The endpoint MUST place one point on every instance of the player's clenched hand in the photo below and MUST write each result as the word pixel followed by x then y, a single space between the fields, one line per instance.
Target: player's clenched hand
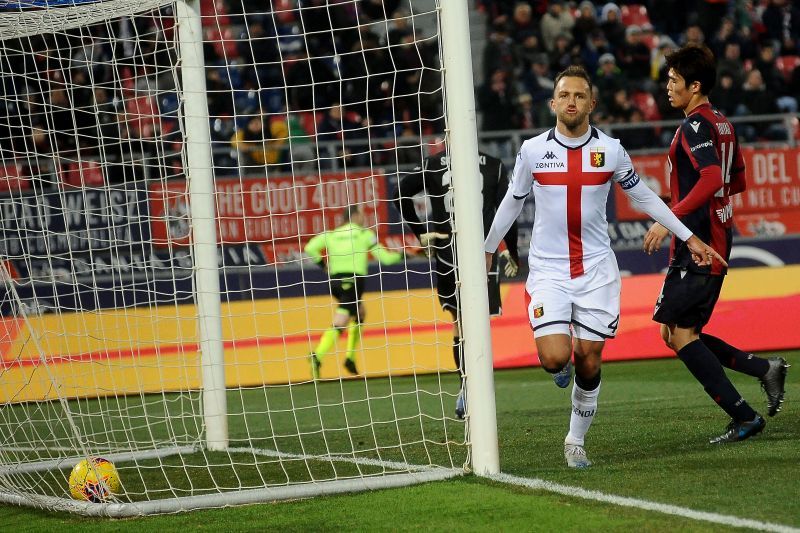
pixel 511 266
pixel 427 240
pixel 703 254
pixel 655 235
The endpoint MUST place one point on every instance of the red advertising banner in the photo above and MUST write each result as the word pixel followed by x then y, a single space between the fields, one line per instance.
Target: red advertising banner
pixel 281 213
pixel 769 207
pixel 13 178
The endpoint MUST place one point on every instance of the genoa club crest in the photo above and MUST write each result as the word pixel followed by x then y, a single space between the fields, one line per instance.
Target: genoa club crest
pixel 597 157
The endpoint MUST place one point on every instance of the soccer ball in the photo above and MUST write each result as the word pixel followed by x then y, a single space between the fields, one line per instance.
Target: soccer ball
pixel 94 482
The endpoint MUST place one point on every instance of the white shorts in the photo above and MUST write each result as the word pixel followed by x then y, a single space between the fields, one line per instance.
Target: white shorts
pixel 589 304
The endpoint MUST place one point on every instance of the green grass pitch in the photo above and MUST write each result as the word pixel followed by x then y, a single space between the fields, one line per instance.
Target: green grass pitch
pixel 648 441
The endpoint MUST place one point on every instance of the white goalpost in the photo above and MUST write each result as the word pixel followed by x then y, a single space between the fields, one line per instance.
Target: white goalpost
pixel 163 164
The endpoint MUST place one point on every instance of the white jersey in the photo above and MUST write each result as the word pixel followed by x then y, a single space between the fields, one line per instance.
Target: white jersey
pixel 570 179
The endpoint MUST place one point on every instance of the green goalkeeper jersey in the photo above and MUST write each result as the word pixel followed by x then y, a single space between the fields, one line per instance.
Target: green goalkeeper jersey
pixel 348 248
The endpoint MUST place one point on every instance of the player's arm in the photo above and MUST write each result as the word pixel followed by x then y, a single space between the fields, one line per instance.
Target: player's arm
pixel 512 234
pixel 647 201
pixel 511 254
pixel 700 146
pixel 379 252
pixel 314 247
pixel 511 205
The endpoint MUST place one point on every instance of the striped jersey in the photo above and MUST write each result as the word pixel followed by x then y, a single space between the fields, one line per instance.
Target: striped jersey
pixel 706 168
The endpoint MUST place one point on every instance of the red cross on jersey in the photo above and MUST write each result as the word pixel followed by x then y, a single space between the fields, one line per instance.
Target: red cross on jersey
pixel 570 179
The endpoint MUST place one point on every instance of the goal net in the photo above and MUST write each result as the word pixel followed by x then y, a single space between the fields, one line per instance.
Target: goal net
pixel 163 166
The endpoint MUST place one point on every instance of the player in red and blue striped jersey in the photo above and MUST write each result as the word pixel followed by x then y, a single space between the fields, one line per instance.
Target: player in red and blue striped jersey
pixel 706 169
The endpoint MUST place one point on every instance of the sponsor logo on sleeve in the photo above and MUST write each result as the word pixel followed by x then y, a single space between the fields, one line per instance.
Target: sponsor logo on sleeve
pixel 705 144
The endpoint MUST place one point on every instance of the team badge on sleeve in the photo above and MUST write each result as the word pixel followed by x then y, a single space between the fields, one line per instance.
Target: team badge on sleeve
pixel 538 311
pixel 597 157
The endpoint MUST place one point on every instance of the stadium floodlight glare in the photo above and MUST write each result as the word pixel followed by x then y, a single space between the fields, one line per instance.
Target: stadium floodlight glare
pixel 162 164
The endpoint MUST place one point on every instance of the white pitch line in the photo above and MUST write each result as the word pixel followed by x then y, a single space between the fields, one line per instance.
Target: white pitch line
pixel 578 492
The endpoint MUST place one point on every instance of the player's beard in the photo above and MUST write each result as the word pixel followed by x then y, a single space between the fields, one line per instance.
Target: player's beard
pixel 572 122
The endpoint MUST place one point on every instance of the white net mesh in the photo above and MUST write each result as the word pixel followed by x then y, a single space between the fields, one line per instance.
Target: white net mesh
pixel 313 107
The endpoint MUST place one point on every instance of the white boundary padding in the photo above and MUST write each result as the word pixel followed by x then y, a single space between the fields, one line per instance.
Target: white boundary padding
pixel 462 143
pixel 200 176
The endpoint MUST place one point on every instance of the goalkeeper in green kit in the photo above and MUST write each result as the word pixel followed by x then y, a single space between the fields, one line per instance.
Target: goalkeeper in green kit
pixel 347 254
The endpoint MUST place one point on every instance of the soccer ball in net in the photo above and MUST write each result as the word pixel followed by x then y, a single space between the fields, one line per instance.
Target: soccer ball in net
pixel 94 482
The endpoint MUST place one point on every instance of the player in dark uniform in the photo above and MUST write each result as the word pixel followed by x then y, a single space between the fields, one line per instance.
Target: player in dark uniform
pixel 435 234
pixel 706 169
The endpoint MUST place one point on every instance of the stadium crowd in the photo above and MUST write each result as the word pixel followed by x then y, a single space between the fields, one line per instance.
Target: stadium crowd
pixel 623 45
pixel 336 79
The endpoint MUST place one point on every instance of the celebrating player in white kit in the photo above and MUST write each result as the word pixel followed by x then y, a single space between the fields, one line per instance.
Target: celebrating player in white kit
pixel 573 288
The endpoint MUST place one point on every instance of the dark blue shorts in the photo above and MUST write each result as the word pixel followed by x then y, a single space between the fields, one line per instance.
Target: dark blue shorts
pixel 687 298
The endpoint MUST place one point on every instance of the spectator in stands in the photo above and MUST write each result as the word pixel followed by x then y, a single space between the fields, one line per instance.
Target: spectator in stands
pixel 756 100
pixel 256 146
pixel 40 136
pixel 408 151
pixel 249 142
pixel 619 108
pixel 609 77
pixel 558 20
pixel 585 23
pixel 611 24
pixel 727 94
pixel 500 52
pixel 634 57
pixel 693 35
pixel 340 136
pixel 259 50
pixel 528 48
pixel 537 82
pixel 218 94
pixel 564 54
pixel 497 98
pixel 301 152
pixel 781 20
pixel 61 120
pixel 639 138
pixel 731 62
pixel 725 34
pixel 525 118
pixel 710 13
pixel 765 63
pixel 596 46
pixel 522 22
pixel 600 114
pixel 658 62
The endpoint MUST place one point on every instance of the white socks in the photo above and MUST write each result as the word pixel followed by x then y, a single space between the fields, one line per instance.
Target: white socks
pixel 584 405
